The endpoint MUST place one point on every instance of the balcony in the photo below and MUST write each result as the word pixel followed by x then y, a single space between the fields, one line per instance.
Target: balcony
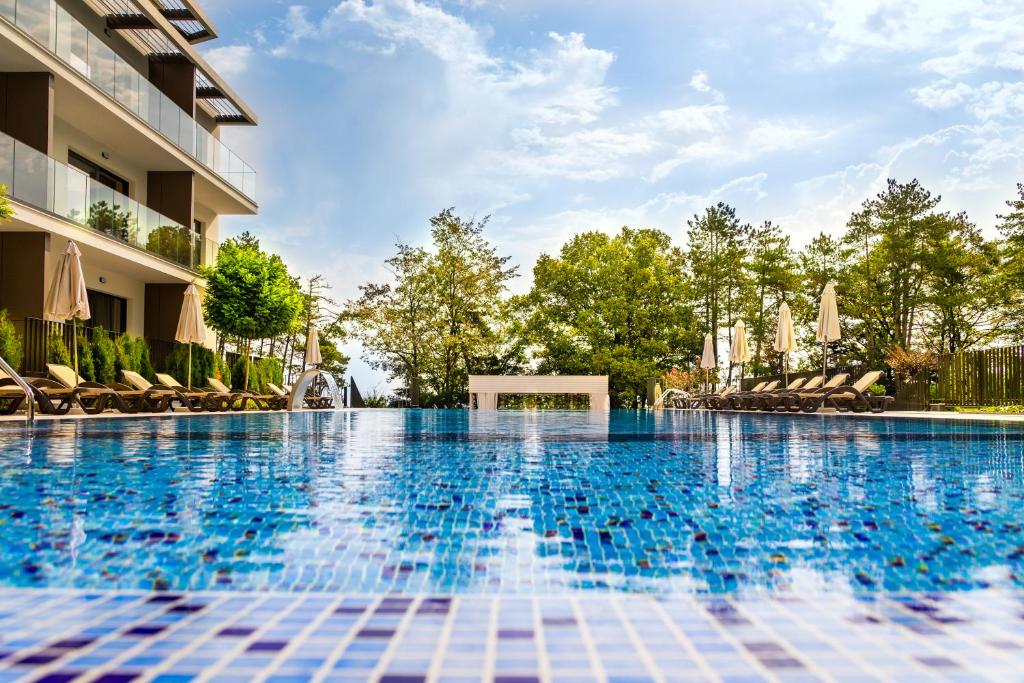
pixel 50 25
pixel 37 180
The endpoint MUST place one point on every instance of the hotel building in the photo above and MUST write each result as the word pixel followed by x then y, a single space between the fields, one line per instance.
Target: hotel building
pixel 110 127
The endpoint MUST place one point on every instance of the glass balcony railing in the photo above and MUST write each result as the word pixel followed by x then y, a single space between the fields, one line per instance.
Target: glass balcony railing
pixel 50 25
pixel 33 178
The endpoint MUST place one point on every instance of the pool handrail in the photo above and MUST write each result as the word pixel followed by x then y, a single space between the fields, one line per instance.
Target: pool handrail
pixel 30 400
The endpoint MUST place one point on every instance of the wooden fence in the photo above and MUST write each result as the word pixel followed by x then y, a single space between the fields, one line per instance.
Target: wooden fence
pixel 991 377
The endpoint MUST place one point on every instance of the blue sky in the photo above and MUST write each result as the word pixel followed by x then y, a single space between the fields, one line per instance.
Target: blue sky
pixel 562 116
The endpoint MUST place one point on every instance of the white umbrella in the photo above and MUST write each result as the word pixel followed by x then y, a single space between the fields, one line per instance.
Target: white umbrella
pixel 190 324
pixel 68 298
pixel 828 323
pixel 740 353
pixel 707 361
pixel 785 338
pixel 312 356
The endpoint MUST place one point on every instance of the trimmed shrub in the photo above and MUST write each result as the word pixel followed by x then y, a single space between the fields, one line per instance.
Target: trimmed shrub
pixel 56 351
pixel 261 372
pixel 86 368
pixel 104 357
pixel 203 364
pixel 145 363
pixel 10 343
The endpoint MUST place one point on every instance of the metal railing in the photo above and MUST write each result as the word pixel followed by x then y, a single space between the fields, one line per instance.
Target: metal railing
pixel 30 402
pixel 50 25
pixel 33 178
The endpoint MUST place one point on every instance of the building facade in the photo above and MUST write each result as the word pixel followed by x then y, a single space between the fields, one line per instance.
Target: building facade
pixel 109 135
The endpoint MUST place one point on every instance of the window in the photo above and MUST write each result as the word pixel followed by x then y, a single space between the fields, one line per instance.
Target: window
pixel 98 173
pixel 108 311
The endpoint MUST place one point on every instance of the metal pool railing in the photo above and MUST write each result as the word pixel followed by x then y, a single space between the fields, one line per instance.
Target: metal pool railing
pixel 30 403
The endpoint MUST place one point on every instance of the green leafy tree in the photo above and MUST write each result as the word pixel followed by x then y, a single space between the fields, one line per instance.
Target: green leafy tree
pixel 825 259
pixel 716 249
pixel 10 343
pixel 469 279
pixel 1011 277
pixel 249 295
pixel 965 301
pixel 773 278
pixel 6 210
pixel 886 290
pixel 397 323
pixel 613 305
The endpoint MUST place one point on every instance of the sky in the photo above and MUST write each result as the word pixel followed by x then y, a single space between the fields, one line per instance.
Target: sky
pixel 559 116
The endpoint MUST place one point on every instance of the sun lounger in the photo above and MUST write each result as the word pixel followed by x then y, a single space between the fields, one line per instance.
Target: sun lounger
pixel 714 400
pixel 195 399
pixel 793 400
pixel 738 399
pixel 777 400
pixel 853 397
pixel 756 400
pixel 94 397
pixel 241 399
pixel 314 402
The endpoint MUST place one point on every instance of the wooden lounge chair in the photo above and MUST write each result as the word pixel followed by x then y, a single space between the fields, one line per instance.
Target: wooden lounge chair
pixel 714 400
pixel 738 399
pixel 793 400
pixel 853 397
pixel 195 399
pixel 314 402
pixel 94 397
pixel 755 400
pixel 241 399
pixel 777 400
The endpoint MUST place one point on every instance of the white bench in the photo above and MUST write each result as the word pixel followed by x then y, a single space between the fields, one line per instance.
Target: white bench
pixel 484 389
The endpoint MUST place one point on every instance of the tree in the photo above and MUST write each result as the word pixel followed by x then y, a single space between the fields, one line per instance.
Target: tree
pixel 469 278
pixel 715 254
pixel 6 210
pixel 249 294
pixel 398 323
pixel 965 299
pixel 886 289
pixel 773 278
pixel 1011 280
pixel 824 259
pixel 613 305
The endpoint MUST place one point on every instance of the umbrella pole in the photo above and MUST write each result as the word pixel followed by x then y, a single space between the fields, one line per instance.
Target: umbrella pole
pixel 785 366
pixel 74 345
pixel 824 360
pixel 190 366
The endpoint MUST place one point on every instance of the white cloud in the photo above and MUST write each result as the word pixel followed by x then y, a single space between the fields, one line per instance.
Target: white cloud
pixel 699 82
pixel 229 60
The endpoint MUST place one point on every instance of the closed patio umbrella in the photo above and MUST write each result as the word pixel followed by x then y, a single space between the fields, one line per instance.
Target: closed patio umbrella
pixel 740 353
pixel 312 355
pixel 828 323
pixel 68 298
pixel 190 324
pixel 707 361
pixel 785 339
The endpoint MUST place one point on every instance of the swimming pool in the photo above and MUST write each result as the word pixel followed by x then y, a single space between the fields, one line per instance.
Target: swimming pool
pixel 539 503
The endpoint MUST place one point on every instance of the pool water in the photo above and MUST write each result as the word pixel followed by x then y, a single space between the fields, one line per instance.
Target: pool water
pixel 453 502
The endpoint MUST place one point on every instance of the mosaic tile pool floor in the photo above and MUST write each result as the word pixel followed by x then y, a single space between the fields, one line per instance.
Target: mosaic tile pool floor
pixel 57 636
pixel 407 546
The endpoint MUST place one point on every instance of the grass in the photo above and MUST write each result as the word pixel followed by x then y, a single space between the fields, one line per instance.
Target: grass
pixel 999 410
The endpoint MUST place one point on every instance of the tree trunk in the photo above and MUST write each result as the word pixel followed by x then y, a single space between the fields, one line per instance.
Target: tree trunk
pixel 248 346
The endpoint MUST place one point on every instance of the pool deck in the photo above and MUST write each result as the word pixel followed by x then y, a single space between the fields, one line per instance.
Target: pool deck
pixel 114 637
pixel 925 415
